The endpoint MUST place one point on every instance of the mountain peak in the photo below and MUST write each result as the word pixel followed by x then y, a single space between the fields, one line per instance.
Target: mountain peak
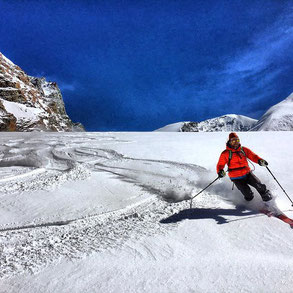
pixel 30 103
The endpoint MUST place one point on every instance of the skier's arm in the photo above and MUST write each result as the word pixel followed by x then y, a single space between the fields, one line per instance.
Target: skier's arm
pixel 251 155
pixel 223 160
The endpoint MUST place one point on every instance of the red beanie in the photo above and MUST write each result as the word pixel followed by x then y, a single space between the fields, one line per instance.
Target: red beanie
pixel 232 135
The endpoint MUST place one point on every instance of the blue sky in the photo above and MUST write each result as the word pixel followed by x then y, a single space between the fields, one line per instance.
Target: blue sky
pixel 139 65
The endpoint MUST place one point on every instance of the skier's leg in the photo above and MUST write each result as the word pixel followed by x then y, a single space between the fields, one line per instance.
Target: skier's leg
pixel 242 185
pixel 261 188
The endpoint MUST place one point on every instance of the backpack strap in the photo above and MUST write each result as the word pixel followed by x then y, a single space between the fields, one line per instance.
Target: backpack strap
pixel 230 157
pixel 243 152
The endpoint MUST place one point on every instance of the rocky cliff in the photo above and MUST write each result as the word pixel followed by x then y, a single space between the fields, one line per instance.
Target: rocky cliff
pixel 30 103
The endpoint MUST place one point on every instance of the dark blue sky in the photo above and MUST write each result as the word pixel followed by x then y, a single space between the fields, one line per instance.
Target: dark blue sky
pixel 139 65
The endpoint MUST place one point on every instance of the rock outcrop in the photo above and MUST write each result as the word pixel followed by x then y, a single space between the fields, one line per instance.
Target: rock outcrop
pixel 30 103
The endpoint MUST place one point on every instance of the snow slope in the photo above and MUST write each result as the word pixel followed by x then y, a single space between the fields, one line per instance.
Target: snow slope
pixel 21 111
pixel 107 212
pixel 174 127
pixel 279 117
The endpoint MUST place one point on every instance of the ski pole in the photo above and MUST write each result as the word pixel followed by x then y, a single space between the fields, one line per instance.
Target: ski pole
pixel 202 191
pixel 279 185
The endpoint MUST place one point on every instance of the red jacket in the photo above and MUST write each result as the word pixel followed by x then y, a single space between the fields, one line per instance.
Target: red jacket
pixel 238 166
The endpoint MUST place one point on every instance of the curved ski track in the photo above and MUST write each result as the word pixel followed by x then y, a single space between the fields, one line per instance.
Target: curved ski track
pixel 51 161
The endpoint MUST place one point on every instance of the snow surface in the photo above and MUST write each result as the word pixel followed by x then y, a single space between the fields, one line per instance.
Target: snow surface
pixel 174 127
pixel 21 111
pixel 107 212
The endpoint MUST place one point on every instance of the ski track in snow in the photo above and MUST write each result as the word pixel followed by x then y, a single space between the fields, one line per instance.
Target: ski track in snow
pixel 32 164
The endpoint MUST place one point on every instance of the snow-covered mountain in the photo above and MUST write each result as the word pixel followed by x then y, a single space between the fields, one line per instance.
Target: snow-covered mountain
pixel 30 103
pixel 278 117
pixel 229 122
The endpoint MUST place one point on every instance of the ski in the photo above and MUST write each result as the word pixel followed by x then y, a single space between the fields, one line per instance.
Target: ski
pixel 278 215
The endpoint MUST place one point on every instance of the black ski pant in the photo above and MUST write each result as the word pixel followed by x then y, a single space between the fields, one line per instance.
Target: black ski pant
pixel 250 179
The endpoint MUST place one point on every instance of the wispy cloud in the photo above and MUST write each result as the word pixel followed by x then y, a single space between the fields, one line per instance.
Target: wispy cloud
pixel 63 85
pixel 265 48
pixel 250 76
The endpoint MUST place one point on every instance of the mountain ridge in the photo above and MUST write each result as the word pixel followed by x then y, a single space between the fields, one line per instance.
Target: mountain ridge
pixel 228 122
pixel 277 118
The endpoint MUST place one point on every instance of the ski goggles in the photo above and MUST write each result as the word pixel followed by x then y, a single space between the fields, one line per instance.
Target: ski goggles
pixel 235 139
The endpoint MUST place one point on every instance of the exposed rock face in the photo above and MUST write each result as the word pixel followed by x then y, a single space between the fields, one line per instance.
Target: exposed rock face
pixel 30 103
pixel 189 127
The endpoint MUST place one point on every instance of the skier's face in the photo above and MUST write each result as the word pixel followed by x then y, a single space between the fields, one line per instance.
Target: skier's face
pixel 234 142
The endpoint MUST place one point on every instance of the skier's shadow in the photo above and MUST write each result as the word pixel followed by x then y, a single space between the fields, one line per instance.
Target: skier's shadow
pixel 202 213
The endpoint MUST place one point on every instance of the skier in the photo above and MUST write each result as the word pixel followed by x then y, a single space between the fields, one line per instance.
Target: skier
pixel 235 156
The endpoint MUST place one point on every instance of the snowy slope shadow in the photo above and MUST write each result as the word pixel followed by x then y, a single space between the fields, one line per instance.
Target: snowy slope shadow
pixel 208 213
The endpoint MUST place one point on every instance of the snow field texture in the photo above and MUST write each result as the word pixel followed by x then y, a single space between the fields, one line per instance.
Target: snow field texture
pixel 96 203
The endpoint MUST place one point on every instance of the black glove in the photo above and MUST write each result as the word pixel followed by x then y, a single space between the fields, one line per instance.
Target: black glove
pixel 221 173
pixel 262 162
